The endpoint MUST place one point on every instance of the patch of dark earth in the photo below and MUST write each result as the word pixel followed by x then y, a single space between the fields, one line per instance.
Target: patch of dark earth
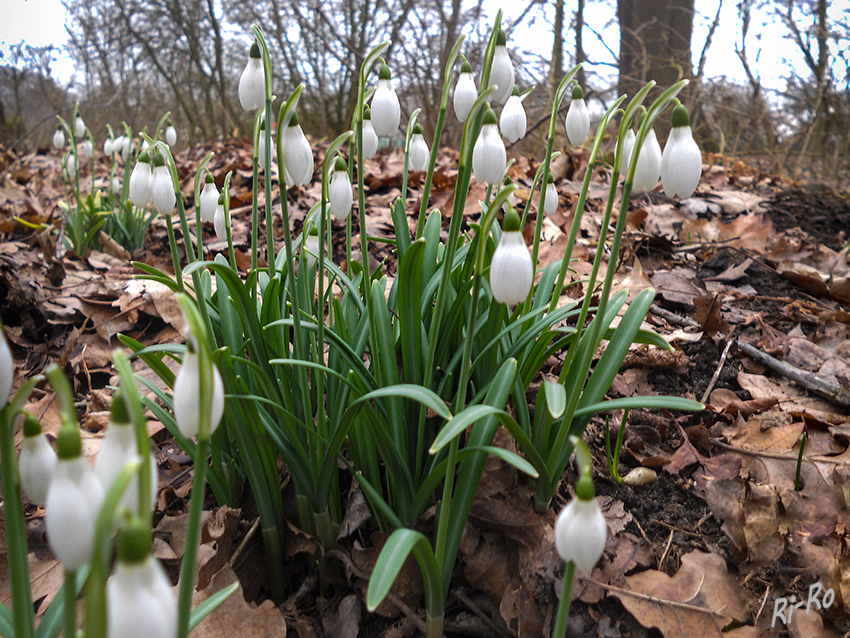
pixel 816 209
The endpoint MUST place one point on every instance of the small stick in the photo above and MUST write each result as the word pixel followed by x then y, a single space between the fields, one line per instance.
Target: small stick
pixel 652 599
pixel 716 375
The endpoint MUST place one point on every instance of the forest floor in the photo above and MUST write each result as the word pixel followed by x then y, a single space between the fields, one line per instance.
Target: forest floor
pixel 750 266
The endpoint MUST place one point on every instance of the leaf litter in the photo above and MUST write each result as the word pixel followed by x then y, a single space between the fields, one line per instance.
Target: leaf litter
pixel 706 549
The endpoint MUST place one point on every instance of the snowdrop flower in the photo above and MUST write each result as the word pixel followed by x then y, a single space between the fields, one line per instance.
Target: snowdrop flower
pixel 511 270
pixel 339 191
pixel 123 146
pixel 578 118
pixel 171 135
pixel 162 187
pixel 581 530
pixel 73 501
pixel 59 138
pixel 370 138
pixel 681 162
pixel 116 186
pixel 108 146
pixel 502 70
pixel 551 203
pixel 220 220
pixel 513 121
pixel 139 600
pixel 209 199
pixel 297 154
pixel 488 155
pixel 188 396
pixel 386 111
pixel 118 449
pixel 465 92
pixel 419 153
pixel 648 164
pixel 71 163
pixel 88 148
pixel 252 83
pixel 628 146
pixel 36 461
pixel 7 369
pixel 141 180
pixel 312 246
pixel 145 145
pixel 79 128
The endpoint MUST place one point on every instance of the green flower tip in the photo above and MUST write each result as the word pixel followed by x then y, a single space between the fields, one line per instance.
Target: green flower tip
pixel 550 179
pixel 31 426
pixel 507 181
pixel 384 72
pixel 680 117
pixel 120 409
pixel 294 121
pixel 489 116
pixel 209 179
pixel 417 129
pixel 501 38
pixel 584 488
pixel 134 542
pixel 144 157
pixel 510 224
pixel 340 165
pixel 313 232
pixel 69 445
pixel 158 159
pixel 367 113
pixel 466 67
pixel 578 94
pixel 255 50
pixel 221 202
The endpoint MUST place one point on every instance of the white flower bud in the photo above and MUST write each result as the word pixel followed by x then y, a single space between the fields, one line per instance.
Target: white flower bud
pixel 220 221
pixel 502 71
pixel 36 461
pixel 108 146
pixel 628 146
pixel 88 148
pixel 141 180
pixel 297 154
pixel 578 118
pixel 313 247
pixel 511 271
pixel 648 169
pixel 59 139
pixel 71 164
pixel 116 186
pixel 79 128
pixel 681 162
pixel 551 203
pixel 580 533
pixel 465 92
pixel 339 191
pixel 489 158
pixel 370 138
pixel 188 397
pixel 386 111
pixel 252 83
pixel 209 199
pixel 513 121
pixel 419 155
pixel 171 135
pixel 162 188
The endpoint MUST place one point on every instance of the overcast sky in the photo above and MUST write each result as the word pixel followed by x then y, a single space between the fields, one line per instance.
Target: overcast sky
pixel 41 22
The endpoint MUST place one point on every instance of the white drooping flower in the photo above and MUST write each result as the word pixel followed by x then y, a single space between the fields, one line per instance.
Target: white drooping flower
pixel 511 270
pixel 578 118
pixel 79 128
pixel 370 138
pixel 122 144
pixel 116 185
pixel 501 71
pixel 220 219
pixel 551 203
pixel 252 83
pixel 628 146
pixel 72 504
pixel 312 246
pixel 339 191
pixel 681 161
pixel 465 92
pixel 7 369
pixel 140 602
pixel 489 158
pixel 648 169
pixel 188 397
pixel 513 121
pixel 419 155
pixel 297 154
pixel 109 146
pixel 36 462
pixel 162 187
pixel 580 533
pixel 386 111
pixel 71 164
pixel 171 135
pixel 141 180
pixel 209 199
pixel 59 138
pixel 119 448
pixel 88 148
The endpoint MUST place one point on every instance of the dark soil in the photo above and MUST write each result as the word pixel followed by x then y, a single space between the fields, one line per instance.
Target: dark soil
pixel 816 209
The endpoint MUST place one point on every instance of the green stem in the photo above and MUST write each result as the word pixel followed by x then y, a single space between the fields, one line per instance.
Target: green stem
pixel 267 182
pixel 70 603
pixel 16 535
pixel 433 626
pixel 560 630
pixel 193 538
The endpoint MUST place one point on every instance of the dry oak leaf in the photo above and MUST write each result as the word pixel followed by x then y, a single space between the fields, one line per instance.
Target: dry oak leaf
pixel 671 603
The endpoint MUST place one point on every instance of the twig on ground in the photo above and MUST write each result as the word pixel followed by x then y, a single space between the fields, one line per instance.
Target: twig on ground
pixel 717 370
pixel 652 599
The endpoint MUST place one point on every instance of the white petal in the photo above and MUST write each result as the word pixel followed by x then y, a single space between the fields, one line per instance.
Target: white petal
pixel 162 191
pixel 493 159
pixel 511 271
pixel 7 370
pixel 118 449
pixel 116 185
pixel 581 533
pixel 58 139
pixel 171 136
pixel 386 111
pixel 648 169
pixel 35 465
pixel 298 156
pixel 681 164
pixel 209 201
pixel 464 96
pixel 578 122
pixel 502 75
pixel 419 153
pixel 140 184
pixel 71 507
pixel 140 601
pixel 551 204
pixel 79 128
pixel 340 195
pixel 187 397
pixel 88 148
pixel 219 223
pixel 370 140
pixel 628 145
pixel 312 246
pixel 252 86
pixel 513 121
